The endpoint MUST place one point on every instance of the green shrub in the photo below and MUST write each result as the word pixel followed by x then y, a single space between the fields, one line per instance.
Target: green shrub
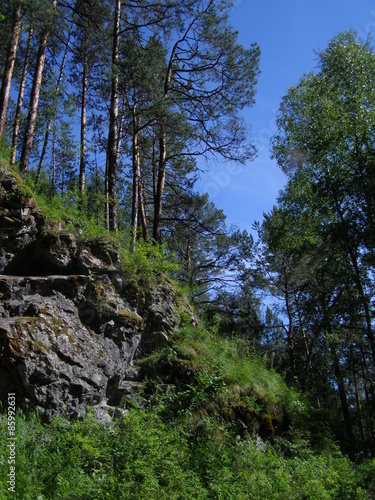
pixel 141 457
pixel 148 260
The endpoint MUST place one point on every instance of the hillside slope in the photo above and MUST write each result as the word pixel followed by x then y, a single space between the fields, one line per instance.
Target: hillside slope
pixel 135 398
pixel 70 322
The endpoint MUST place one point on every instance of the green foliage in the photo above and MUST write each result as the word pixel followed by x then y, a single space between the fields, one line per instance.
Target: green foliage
pixel 4 152
pixel 319 240
pixel 66 210
pixel 139 456
pixel 220 378
pixel 148 260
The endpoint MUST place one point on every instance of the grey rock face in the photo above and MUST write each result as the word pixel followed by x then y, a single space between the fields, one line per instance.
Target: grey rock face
pixel 71 328
pixel 18 220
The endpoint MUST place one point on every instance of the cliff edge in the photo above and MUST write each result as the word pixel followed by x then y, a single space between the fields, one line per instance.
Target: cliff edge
pixel 71 325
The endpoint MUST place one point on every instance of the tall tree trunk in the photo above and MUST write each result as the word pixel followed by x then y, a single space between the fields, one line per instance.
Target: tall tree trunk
pixel 54 106
pixel 290 329
pixel 142 211
pixel 136 177
pixel 34 99
pixel 350 439
pixel 9 64
pixel 352 253
pixel 305 341
pixel 106 176
pixel 17 119
pixel 356 390
pixel 160 184
pixel 154 167
pixel 121 121
pixel 162 164
pixel 82 156
pixel 106 191
pixel 368 388
pixel 344 402
pixel 113 132
pixel 54 157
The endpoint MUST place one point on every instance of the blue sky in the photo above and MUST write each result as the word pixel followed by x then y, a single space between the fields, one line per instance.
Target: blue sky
pixel 288 33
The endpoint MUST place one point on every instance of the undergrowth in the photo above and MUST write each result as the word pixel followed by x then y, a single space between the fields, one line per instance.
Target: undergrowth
pixel 65 214
pixel 148 259
pixel 217 425
pixel 211 376
pixel 140 456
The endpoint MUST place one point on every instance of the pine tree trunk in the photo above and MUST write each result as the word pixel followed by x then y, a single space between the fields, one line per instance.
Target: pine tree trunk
pixel 106 191
pixel 136 178
pixel 82 156
pixel 160 184
pixel 54 157
pixel 142 211
pixel 48 127
pixel 17 119
pixel 9 64
pixel 159 179
pixel 113 132
pixel 34 100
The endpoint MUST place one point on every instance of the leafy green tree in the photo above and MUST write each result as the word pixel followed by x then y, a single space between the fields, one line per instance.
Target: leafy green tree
pixel 324 239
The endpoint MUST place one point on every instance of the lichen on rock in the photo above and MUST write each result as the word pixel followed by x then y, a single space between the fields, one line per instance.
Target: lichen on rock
pixel 71 326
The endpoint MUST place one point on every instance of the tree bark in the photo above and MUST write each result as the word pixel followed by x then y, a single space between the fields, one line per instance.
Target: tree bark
pixel 356 390
pixel 290 330
pixel 54 106
pixel 344 402
pixel 82 156
pixel 34 99
pixel 54 157
pixel 306 344
pixel 136 177
pixel 162 164
pixel 142 211
pixel 17 119
pixel 352 253
pixel 113 132
pixel 350 438
pixel 9 64
pixel 160 185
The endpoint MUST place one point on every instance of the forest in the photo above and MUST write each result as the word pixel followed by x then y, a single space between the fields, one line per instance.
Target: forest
pixel 109 109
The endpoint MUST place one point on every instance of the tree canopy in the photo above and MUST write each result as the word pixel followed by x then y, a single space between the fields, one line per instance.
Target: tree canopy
pixel 319 240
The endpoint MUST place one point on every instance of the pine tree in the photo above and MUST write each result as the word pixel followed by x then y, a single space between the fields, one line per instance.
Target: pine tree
pixel 36 86
pixel 9 64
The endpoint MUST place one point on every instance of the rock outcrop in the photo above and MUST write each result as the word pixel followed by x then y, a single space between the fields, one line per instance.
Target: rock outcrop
pixel 70 324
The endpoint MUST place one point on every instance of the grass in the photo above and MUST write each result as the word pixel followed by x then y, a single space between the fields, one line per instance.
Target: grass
pixel 219 378
pixel 64 214
pixel 141 457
